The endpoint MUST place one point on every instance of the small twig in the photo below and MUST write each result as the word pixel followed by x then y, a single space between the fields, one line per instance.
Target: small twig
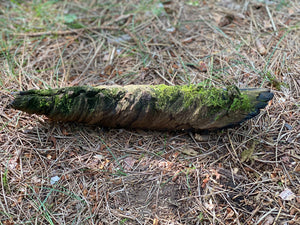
pixel 265 215
pixel 177 18
pixel 272 21
pixel 276 145
pixel 115 212
pixel 169 82
pixel 277 216
pixel 253 19
pixel 66 32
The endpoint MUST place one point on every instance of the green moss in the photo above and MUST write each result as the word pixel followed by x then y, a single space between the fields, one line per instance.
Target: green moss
pixel 44 103
pixel 166 94
pixel 241 103
pixel 213 99
pixel 189 95
pixel 63 103
pixel 51 101
pixel 67 100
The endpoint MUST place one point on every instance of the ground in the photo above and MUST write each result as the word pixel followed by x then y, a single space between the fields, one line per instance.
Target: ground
pixel 68 173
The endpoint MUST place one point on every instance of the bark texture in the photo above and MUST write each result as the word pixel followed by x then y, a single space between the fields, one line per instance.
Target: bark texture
pixel 157 107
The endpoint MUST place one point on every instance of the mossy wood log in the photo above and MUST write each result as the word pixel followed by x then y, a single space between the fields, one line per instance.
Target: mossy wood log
pixel 159 107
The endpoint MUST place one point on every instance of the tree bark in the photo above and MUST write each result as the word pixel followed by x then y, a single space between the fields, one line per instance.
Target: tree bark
pixel 158 107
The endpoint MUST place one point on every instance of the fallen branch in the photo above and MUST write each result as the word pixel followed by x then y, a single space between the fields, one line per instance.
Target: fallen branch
pixel 66 32
pixel 158 107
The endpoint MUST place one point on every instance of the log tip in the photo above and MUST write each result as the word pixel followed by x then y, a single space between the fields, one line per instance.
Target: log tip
pixel 262 100
pixel 17 102
pixel 265 96
pixel 31 102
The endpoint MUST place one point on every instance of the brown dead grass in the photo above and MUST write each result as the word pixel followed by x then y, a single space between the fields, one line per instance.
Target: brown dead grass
pixel 117 176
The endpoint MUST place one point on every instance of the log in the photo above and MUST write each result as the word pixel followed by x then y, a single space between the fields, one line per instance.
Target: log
pixel 157 107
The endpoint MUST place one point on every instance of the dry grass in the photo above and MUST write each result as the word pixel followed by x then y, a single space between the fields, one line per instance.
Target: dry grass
pixel 116 176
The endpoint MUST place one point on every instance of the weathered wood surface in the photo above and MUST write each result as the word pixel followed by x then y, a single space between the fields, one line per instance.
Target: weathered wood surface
pixel 157 107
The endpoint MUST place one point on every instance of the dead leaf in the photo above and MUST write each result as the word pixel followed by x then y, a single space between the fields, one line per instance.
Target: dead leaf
pixel 103 164
pixel 54 179
pixel 189 151
pixel 108 70
pixel 172 53
pixel 175 155
pixel 273 175
pixel 205 181
pixel 202 67
pixel 99 157
pixel 13 163
pixel 37 180
pixel 210 206
pixel 85 192
pixel 53 139
pixel 297 168
pixel 267 24
pixel 269 220
pixel 167 166
pixel 226 20
pixel 65 132
pixel 171 30
pixel 187 40
pixel 215 173
pixel 291 11
pixel 285 159
pixel 260 47
pixel 175 66
pixel 8 222
pixel 155 221
pixel 293 211
pixel 102 147
pixel 187 27
pixel 287 195
pixel 129 163
pixel 217 17
pixel 199 137
pixel 229 213
pixel 176 175
pixel 248 153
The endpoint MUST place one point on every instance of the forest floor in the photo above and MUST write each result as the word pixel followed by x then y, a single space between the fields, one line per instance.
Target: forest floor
pixel 68 173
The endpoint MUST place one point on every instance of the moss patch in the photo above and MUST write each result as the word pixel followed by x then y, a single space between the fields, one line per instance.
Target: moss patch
pixel 242 103
pixel 85 99
pixel 188 96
